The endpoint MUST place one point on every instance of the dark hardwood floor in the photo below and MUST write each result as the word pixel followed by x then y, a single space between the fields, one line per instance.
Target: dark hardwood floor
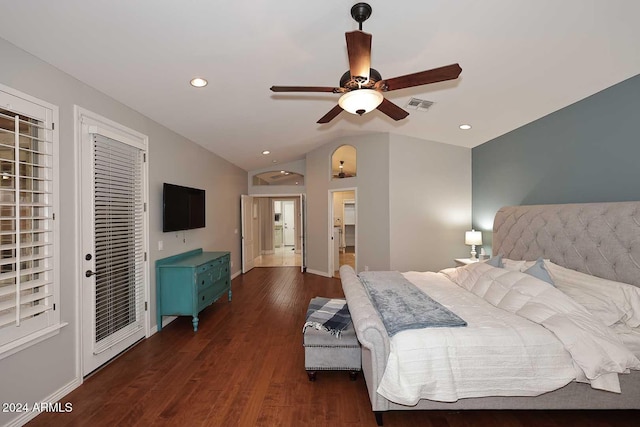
pixel 245 367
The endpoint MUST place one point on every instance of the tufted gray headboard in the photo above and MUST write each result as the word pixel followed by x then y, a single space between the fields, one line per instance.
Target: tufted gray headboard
pixel 601 239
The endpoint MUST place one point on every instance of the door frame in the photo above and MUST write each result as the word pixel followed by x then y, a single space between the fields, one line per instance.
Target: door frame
pixel 302 198
pixel 109 128
pixel 330 226
pixel 245 210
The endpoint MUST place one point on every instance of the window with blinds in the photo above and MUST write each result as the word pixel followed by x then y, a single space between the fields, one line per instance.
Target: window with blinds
pixel 28 290
pixel 119 241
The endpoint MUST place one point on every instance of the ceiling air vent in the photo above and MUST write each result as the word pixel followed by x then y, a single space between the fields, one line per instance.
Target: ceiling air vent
pixel 419 104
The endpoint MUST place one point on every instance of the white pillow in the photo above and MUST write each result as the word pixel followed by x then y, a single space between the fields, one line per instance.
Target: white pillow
pixel 513 265
pixel 607 300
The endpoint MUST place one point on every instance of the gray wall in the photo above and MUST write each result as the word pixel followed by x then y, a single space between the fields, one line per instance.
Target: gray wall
pixel 372 247
pixel 172 158
pixel 586 152
pixel 430 203
pixel 413 202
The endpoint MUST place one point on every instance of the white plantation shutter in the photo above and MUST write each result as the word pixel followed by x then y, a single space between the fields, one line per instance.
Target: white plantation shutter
pixel 28 289
pixel 119 241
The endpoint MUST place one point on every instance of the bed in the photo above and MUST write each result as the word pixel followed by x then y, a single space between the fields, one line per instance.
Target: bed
pixel 601 240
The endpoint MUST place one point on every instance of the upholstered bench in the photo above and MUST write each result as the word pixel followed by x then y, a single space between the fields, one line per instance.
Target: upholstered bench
pixel 325 352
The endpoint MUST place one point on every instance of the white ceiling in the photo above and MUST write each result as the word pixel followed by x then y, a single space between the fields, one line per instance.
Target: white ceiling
pixel 520 59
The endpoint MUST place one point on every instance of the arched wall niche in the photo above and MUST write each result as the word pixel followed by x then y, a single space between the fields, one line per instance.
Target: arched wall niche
pixel 278 177
pixel 344 162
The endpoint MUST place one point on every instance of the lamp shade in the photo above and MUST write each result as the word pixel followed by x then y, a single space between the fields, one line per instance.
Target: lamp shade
pixel 360 101
pixel 473 237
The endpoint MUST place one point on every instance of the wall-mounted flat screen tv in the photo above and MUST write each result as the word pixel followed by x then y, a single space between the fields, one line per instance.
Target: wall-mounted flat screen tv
pixel 183 208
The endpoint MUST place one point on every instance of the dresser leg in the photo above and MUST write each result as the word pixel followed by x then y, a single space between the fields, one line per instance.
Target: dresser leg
pixel 353 375
pixel 229 294
pixel 311 375
pixel 195 323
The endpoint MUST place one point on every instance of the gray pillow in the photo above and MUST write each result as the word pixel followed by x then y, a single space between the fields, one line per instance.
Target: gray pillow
pixel 496 261
pixel 538 270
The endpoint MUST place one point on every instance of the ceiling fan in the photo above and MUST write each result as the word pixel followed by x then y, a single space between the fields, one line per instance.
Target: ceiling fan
pixel 362 86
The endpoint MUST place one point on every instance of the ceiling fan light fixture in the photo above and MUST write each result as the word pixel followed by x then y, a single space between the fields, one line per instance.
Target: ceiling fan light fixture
pixel 360 101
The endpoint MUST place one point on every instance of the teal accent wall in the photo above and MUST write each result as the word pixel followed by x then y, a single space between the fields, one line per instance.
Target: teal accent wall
pixel 586 152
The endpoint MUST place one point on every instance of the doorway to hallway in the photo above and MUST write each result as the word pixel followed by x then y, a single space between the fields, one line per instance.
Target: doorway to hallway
pixel 273 231
pixel 344 230
pixel 284 237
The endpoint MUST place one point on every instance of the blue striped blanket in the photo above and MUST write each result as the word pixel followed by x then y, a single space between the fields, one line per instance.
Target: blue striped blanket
pixel 402 305
pixel 329 315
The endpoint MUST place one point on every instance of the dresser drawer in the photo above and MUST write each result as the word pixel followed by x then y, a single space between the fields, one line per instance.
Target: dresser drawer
pixel 205 297
pixel 204 267
pixel 204 280
pixel 220 287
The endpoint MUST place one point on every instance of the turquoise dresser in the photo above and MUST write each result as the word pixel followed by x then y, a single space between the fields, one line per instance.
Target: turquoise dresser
pixel 187 283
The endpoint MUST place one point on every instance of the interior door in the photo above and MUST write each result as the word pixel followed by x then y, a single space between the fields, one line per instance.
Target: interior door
pixel 246 212
pixel 302 230
pixel 288 212
pixel 113 192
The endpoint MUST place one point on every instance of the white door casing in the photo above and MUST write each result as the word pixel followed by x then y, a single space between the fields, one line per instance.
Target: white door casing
pixel 246 213
pixel 349 218
pixel 245 205
pixel 114 235
pixel 303 227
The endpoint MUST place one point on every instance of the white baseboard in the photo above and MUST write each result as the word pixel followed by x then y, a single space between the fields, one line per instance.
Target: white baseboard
pixel 165 321
pixel 236 274
pixel 265 252
pixel 52 398
pixel 168 319
pixel 319 273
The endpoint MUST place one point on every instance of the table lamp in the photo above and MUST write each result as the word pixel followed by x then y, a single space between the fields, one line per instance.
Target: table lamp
pixel 473 238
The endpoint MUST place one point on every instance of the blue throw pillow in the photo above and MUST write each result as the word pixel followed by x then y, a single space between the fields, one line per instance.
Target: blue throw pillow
pixel 538 270
pixel 496 261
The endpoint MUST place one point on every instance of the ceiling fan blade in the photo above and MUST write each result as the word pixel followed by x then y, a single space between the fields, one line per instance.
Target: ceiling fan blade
pixel 448 72
pixel 392 110
pixel 359 50
pixel 306 89
pixel 331 114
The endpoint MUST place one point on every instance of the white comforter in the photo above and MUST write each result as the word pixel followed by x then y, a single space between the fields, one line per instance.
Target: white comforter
pixel 503 351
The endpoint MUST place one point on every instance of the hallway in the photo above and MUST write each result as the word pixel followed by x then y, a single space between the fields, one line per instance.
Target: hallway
pixel 283 256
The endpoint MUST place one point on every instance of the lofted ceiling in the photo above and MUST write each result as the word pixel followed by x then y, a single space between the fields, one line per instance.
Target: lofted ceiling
pixel 520 59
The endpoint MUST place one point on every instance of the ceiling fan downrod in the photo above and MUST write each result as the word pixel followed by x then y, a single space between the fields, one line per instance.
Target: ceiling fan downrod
pixel 360 13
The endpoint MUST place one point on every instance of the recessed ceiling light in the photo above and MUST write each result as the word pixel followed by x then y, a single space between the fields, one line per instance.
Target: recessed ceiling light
pixel 465 127
pixel 198 82
pixel 265 152
pixel 282 172
pixel 274 161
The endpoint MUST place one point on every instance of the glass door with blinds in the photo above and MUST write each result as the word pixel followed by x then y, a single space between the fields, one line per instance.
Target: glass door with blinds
pixel 114 240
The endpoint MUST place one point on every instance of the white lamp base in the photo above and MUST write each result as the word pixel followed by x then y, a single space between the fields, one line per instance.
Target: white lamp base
pixel 473 252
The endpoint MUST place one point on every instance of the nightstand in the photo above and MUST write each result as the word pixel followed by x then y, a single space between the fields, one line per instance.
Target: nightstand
pixel 464 261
